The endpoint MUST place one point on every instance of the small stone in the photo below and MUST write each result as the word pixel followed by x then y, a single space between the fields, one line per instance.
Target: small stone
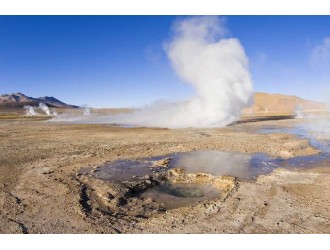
pixel 148 200
pixel 162 163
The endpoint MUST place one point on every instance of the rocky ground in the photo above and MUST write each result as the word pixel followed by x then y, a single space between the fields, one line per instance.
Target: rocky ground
pixel 40 191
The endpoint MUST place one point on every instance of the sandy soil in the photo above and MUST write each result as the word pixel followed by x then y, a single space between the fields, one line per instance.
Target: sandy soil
pixel 40 193
pixel 279 103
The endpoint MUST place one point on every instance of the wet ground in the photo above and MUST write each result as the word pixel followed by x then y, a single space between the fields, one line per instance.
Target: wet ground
pixel 243 166
pixel 316 139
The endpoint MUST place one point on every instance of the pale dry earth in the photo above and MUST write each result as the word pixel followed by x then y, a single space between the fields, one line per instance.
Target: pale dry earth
pixel 265 103
pixel 40 193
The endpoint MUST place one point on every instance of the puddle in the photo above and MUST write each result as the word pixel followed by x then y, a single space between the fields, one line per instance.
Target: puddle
pixel 215 163
pixel 240 165
pixel 120 171
pixel 315 138
pixel 173 196
pixel 170 195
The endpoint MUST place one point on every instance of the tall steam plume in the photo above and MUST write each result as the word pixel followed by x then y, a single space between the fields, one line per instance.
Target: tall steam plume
pixel 217 69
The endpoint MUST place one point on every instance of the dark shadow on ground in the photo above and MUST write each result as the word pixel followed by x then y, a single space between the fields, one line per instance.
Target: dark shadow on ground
pixel 263 118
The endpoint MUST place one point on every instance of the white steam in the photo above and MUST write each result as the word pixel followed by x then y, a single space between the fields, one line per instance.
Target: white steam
pixel 81 115
pixel 86 110
pixel 299 112
pixel 44 108
pixel 217 69
pixel 29 111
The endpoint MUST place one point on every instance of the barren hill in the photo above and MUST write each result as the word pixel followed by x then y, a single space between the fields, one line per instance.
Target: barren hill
pixel 18 100
pixel 265 103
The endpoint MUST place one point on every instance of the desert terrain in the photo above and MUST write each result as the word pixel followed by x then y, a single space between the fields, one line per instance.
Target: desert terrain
pixel 43 191
pixel 158 128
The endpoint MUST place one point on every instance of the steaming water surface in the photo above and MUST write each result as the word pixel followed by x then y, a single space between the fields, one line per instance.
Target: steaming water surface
pixel 173 196
pixel 243 166
pixel 240 165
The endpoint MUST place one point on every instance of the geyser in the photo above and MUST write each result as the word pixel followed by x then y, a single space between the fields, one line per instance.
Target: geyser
pixel 44 107
pixel 29 111
pixel 215 66
pixel 86 110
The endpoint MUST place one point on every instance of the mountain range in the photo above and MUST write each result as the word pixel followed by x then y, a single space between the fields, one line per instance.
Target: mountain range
pixel 263 103
pixel 18 100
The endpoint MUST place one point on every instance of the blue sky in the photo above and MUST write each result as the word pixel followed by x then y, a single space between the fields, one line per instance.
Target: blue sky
pixel 119 61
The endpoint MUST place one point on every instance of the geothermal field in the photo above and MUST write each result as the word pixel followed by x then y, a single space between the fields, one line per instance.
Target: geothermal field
pixel 260 175
pixel 228 159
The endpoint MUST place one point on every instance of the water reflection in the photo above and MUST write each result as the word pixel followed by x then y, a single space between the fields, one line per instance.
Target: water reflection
pixel 317 138
pixel 171 196
pixel 243 166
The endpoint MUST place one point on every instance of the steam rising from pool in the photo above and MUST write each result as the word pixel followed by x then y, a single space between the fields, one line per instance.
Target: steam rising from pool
pixel 86 111
pixel 44 108
pixel 215 66
pixel 29 111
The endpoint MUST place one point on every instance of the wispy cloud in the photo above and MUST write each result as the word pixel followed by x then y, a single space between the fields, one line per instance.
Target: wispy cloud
pixel 321 53
pixel 320 62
